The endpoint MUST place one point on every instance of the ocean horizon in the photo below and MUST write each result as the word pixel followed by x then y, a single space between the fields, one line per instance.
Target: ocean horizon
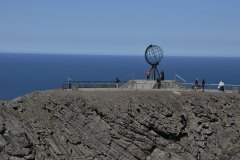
pixel 22 73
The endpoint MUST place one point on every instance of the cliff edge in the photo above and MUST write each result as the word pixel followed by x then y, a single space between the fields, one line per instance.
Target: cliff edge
pixel 130 125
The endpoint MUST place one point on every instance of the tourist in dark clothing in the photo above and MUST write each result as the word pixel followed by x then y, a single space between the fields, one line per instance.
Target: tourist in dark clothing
pixel 195 87
pixel 117 82
pixel 162 74
pixel 158 83
pixel 196 82
pixel 203 85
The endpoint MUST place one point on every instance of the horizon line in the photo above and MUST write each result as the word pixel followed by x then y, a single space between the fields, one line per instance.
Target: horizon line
pixel 97 54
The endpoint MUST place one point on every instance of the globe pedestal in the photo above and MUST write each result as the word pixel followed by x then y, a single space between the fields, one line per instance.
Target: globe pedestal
pixel 155 72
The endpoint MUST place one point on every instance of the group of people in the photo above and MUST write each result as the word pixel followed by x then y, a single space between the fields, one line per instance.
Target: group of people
pixel 197 85
pixel 162 75
pixel 159 79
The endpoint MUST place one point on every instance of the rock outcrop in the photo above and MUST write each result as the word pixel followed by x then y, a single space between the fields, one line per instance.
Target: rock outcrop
pixel 120 125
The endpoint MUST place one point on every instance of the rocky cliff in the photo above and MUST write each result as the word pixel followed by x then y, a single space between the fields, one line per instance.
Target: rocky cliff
pixel 130 125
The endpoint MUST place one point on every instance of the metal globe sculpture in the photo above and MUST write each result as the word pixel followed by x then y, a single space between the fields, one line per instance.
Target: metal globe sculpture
pixel 153 56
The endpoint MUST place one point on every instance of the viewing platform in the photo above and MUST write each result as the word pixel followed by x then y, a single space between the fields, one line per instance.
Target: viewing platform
pixel 143 85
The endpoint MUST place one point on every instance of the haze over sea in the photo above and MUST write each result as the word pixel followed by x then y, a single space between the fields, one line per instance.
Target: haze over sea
pixel 24 73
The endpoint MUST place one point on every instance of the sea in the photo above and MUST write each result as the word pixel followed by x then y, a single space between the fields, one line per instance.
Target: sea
pixel 22 73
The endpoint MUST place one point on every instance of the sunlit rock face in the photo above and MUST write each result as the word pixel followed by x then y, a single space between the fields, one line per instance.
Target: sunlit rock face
pixel 125 125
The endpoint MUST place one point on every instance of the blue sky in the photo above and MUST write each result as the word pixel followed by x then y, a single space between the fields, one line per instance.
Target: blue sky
pixel 121 27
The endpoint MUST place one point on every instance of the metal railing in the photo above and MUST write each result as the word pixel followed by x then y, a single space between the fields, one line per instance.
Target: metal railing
pixel 88 84
pixel 227 87
pixel 133 85
pixel 182 81
pixel 176 76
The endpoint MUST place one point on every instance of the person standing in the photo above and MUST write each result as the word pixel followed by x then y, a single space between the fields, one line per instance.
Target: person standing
pixel 203 84
pixel 196 82
pixel 158 83
pixel 148 74
pixel 117 82
pixel 195 87
pixel 221 86
pixel 162 75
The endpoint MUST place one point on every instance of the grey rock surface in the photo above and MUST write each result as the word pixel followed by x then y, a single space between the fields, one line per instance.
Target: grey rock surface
pixel 129 125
